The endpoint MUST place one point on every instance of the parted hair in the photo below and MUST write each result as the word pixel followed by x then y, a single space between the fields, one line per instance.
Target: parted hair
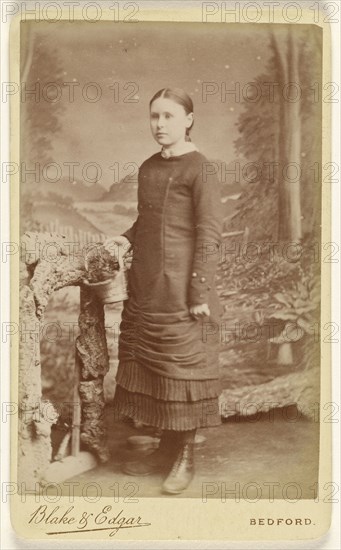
pixel 179 96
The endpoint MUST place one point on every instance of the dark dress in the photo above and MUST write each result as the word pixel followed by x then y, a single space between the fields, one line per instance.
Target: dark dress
pixel 168 361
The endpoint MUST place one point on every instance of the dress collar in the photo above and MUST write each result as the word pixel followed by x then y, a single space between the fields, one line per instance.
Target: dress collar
pixel 185 147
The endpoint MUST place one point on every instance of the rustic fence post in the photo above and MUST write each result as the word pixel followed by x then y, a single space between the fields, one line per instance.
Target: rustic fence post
pixel 41 276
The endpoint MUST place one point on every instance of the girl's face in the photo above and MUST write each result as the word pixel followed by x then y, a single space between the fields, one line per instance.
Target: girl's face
pixel 168 121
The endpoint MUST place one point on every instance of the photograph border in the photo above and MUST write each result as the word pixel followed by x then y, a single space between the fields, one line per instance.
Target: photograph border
pixel 210 519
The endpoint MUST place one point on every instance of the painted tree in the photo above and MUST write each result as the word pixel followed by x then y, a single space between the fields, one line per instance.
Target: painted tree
pixel 282 129
pixel 41 106
pixel 290 129
pixel 40 77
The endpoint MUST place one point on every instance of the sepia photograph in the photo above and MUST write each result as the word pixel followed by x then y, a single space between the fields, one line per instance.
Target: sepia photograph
pixel 170 221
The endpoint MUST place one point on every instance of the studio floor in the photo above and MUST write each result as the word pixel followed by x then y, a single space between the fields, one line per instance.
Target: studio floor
pixel 272 456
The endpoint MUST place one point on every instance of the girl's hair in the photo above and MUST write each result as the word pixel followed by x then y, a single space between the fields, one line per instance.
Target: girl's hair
pixel 179 96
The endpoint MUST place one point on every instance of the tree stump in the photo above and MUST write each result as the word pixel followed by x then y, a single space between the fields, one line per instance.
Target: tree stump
pixel 48 263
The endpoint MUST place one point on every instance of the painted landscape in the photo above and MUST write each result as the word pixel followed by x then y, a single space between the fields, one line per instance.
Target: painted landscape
pixel 268 277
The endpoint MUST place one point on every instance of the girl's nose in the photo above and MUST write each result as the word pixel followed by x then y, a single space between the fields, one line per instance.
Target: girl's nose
pixel 160 123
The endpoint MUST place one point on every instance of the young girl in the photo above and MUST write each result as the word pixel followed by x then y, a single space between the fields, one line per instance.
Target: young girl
pixel 169 335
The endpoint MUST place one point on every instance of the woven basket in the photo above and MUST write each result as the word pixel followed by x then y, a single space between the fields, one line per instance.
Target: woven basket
pixel 114 289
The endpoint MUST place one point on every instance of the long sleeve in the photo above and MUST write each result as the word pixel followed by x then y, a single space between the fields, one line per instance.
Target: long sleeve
pixel 208 224
pixel 130 233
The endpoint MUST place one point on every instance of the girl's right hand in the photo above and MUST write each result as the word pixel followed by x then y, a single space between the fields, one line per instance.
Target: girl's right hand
pixel 117 245
pixel 199 311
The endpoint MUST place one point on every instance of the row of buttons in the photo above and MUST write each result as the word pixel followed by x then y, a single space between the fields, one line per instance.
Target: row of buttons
pixel 202 280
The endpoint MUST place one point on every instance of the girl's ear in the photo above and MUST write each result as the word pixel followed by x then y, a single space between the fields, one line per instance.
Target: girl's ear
pixel 190 120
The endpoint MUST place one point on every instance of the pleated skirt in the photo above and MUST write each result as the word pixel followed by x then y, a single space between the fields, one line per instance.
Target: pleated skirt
pixel 163 402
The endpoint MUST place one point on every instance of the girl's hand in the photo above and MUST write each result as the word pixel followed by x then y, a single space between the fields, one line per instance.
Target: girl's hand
pixel 117 245
pixel 199 311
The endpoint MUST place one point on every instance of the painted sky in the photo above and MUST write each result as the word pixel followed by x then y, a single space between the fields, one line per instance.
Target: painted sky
pixel 153 56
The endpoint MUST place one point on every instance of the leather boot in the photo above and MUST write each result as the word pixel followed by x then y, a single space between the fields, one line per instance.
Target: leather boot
pixel 157 461
pixel 182 471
